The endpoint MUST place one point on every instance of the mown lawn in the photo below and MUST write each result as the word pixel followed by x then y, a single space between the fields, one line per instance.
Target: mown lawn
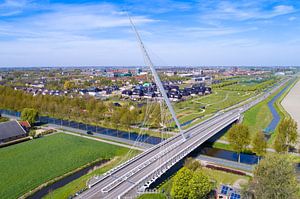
pixel 80 183
pixel 27 165
pixel 259 117
pixel 221 177
pixel 152 196
pixel 218 100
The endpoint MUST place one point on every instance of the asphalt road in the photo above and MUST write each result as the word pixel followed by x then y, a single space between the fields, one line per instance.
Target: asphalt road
pixel 124 178
pixel 195 136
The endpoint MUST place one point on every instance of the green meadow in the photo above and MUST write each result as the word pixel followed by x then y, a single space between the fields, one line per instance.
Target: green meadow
pixel 27 165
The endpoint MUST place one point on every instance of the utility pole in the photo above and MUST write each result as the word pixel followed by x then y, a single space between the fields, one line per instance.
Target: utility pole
pixel 156 77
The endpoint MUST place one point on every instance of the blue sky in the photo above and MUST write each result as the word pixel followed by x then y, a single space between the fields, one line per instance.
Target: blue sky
pixel 196 32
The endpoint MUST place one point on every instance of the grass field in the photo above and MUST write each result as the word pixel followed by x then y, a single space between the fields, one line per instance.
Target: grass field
pixel 152 196
pixel 80 183
pixel 221 177
pixel 27 165
pixel 218 100
pixel 259 117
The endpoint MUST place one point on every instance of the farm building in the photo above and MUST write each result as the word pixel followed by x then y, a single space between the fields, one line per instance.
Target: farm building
pixel 10 131
pixel 26 125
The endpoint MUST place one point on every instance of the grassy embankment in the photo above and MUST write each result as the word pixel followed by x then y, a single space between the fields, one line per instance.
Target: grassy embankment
pixel 259 117
pixel 80 183
pixel 220 99
pixel 279 108
pixel 25 166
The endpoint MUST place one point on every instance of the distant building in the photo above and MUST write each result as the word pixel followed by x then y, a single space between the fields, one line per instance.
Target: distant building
pixel 10 131
pixel 201 79
pixel 280 74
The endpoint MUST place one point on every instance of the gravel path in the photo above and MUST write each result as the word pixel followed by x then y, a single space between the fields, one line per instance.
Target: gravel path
pixel 291 103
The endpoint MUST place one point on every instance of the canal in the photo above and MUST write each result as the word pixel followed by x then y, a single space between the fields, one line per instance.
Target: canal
pixel 276 117
pixel 62 182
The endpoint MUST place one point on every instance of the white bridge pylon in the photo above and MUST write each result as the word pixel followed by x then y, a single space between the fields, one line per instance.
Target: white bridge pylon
pixel 156 77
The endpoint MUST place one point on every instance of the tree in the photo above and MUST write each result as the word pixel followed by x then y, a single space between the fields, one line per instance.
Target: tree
pixel 286 135
pixel 199 185
pixel 30 115
pixel 155 116
pixel 274 177
pixel 192 164
pixel 69 85
pixel 280 143
pixel 259 144
pixel 239 137
pixel 288 127
pixel 180 188
pixel 126 117
pixel 115 118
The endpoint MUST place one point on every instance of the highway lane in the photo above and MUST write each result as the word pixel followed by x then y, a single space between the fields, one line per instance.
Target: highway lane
pixel 194 142
pixel 193 131
pixel 119 188
pixel 152 152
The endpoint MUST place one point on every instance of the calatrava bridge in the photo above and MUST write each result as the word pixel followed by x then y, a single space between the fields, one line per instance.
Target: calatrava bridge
pixel 138 173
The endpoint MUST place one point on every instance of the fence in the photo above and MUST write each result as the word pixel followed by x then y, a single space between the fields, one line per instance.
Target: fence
pixel 95 129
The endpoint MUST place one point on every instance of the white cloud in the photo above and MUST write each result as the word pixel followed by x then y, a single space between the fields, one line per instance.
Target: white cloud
pixel 13 7
pixel 292 18
pixel 240 11
pixel 202 32
pixel 69 21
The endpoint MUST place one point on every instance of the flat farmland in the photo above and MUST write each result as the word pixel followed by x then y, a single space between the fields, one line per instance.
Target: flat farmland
pixel 291 103
pixel 27 165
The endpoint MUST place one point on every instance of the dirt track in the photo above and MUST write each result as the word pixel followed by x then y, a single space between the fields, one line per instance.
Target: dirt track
pixel 291 103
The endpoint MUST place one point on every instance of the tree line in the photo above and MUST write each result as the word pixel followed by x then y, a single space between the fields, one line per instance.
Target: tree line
pixel 86 110
pixel 225 83
pixel 255 87
pixel 286 137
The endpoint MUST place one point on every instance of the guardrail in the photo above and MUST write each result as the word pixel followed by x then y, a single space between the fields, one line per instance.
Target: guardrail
pixel 182 153
pixel 241 109
pixel 110 172
pixel 236 111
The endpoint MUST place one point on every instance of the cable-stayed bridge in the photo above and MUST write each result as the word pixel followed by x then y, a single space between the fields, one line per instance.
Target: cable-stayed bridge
pixel 126 180
pixel 138 173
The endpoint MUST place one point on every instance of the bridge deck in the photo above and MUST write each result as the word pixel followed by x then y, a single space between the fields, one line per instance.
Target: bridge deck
pixel 197 136
pixel 131 175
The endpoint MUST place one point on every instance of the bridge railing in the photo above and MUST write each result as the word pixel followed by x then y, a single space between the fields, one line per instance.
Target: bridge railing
pixel 182 153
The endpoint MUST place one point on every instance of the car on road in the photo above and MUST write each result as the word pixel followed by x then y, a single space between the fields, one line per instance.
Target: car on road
pixel 89 133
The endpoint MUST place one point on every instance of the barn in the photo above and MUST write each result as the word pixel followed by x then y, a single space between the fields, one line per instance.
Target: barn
pixel 10 131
